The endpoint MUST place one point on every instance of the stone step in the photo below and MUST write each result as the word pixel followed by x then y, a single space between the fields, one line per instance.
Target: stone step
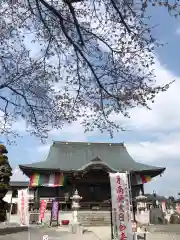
pixel 94 223
pixel 100 224
pixel 94 218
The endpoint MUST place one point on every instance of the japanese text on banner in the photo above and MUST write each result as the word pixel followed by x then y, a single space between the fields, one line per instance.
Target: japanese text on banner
pixel 23 206
pixel 121 206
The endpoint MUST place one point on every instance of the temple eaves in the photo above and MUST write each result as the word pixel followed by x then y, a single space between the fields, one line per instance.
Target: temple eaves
pixel 74 156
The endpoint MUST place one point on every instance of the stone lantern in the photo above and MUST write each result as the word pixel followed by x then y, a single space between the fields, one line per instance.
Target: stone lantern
pixel 75 226
pixel 141 202
pixel 75 205
pixel 142 213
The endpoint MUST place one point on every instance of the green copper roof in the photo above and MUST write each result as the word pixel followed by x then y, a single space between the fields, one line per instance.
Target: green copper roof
pixel 76 156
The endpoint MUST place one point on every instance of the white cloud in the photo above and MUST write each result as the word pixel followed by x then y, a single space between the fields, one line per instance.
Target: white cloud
pixel 70 132
pixel 44 148
pixel 164 115
pixel 163 152
pixel 165 146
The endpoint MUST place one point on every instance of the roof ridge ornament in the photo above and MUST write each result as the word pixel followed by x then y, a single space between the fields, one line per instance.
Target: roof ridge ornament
pixel 96 159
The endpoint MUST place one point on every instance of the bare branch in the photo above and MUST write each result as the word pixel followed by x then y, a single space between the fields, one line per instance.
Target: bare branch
pixel 90 56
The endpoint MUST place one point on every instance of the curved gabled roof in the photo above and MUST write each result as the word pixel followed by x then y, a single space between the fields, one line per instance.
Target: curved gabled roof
pixel 153 197
pixel 76 156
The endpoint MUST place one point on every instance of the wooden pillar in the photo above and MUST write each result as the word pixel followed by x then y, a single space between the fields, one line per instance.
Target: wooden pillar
pixel 74 183
pixel 57 192
pixel 111 216
pixel 142 188
pixel 34 190
pixel 37 197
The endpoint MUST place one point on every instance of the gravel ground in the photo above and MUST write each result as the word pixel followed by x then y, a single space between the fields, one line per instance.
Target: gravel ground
pixel 36 234
pixel 163 236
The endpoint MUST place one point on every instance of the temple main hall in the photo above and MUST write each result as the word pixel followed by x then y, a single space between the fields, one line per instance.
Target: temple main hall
pixel 86 167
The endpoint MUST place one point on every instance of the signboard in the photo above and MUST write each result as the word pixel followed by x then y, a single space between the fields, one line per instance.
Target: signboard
pixel 121 214
pixel 55 212
pixel 43 205
pixel 23 206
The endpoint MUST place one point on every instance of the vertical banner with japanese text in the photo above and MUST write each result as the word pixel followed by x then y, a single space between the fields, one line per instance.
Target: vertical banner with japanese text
pixel 54 212
pixel 43 205
pixel 121 215
pixel 23 206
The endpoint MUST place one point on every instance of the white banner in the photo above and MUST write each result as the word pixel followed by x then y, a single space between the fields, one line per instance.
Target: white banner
pixel 163 204
pixel 121 214
pixel 23 206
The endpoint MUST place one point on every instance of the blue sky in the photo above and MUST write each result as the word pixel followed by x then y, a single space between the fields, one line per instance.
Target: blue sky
pixel 167 32
pixel 153 136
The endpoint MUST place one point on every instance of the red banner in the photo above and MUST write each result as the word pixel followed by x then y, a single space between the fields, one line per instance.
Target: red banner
pixel 43 205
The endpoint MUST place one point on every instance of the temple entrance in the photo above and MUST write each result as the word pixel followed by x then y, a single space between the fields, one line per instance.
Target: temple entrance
pixel 94 192
pixel 94 186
